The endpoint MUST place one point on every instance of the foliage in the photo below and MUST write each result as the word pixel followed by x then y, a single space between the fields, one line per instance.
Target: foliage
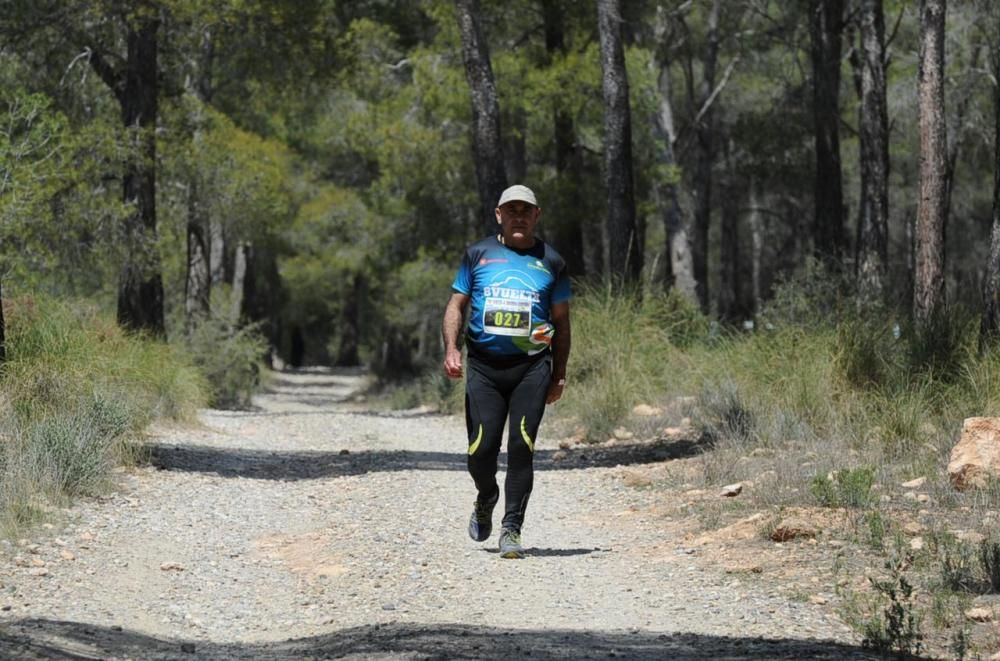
pixel 851 487
pixel 897 627
pixel 619 351
pixel 75 393
pixel 229 355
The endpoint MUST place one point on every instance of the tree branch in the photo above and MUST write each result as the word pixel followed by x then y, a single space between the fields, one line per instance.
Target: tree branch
pixel 715 93
pixel 111 77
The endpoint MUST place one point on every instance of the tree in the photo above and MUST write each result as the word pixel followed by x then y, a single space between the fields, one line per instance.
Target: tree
pixel 928 291
pixel 826 26
pixel 680 267
pixel 198 274
pixel 560 214
pixel 873 221
pixel 135 86
pixel 990 327
pixel 704 124
pixel 624 251
pixel 487 147
pixel 32 164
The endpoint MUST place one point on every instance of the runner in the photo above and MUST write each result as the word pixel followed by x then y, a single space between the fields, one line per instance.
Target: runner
pixel 518 343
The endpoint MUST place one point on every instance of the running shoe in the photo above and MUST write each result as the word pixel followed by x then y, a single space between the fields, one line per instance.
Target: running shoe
pixel 481 522
pixel 510 544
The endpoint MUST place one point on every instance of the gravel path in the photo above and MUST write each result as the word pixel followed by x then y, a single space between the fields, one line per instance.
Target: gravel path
pixel 312 529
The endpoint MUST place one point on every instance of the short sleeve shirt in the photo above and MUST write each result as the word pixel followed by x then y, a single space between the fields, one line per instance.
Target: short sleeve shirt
pixel 511 293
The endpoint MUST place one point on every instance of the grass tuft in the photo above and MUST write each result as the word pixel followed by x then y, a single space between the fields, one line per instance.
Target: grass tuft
pixel 75 393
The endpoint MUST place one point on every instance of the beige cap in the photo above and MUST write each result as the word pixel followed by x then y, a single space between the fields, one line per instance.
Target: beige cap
pixel 517 192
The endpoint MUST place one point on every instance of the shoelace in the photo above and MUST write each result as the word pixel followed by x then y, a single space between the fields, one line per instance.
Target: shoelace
pixel 513 537
pixel 483 510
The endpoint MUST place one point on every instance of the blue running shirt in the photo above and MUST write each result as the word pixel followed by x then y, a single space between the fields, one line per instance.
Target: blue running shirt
pixel 512 292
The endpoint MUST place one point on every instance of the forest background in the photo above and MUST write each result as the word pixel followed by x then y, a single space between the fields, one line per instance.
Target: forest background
pixel 782 220
pixel 316 167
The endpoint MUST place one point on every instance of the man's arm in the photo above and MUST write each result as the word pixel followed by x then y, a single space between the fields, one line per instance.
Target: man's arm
pixel 560 350
pixel 451 328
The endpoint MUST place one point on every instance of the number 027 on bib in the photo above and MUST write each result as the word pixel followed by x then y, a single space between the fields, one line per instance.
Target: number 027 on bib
pixel 506 317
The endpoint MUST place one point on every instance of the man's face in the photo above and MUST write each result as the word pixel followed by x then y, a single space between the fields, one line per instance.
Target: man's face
pixel 517 220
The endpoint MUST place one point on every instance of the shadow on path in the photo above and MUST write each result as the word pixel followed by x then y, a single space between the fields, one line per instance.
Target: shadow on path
pixel 267 465
pixel 31 640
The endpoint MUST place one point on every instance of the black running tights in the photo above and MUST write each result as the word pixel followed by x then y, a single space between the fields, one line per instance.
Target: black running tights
pixel 493 396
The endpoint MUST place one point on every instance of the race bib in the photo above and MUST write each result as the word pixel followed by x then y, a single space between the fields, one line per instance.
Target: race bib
pixel 503 316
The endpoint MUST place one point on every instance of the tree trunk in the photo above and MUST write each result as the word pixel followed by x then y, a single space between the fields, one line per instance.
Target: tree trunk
pixel 562 217
pixel 198 283
pixel 487 149
pixel 702 190
pixel 679 267
pixel 990 329
pixel 928 290
pixel 3 331
pixel 873 223
pixel 140 285
pixel 956 135
pixel 624 249
pixel 217 249
pixel 240 268
pixel 757 245
pixel 347 352
pixel 729 298
pixel 826 26
pixel 197 289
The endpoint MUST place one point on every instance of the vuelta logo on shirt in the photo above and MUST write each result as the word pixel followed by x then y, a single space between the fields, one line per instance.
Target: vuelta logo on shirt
pixel 484 261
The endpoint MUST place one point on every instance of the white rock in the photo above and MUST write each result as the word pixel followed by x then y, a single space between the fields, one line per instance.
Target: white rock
pixel 731 490
pixel 976 457
pixel 914 484
pixel 647 410
pixel 979 614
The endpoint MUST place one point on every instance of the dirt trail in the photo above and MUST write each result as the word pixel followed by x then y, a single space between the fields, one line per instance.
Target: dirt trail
pixel 313 528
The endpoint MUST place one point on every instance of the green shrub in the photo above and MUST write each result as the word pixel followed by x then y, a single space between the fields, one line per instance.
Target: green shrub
pixel 989 560
pixel 958 570
pixel 621 356
pixel 867 350
pixel 73 453
pixel 812 297
pixel 229 355
pixel 679 318
pixel 722 413
pixel 844 488
pixel 876 528
pixel 75 393
pixel 897 627
pixel 945 344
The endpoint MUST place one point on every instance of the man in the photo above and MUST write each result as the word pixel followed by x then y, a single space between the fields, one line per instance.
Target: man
pixel 518 344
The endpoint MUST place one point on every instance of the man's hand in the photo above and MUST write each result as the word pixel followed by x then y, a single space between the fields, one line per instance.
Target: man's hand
pixel 453 363
pixel 555 393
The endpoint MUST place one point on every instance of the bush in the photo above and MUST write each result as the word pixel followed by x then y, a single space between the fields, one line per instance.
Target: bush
pixel 229 356
pixel 722 414
pixel 867 349
pixel 74 393
pixel 944 346
pixel 844 488
pixel 622 355
pixel 678 318
pixel 811 297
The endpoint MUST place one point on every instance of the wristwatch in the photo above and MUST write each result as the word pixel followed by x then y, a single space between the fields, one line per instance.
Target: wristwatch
pixel 561 382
